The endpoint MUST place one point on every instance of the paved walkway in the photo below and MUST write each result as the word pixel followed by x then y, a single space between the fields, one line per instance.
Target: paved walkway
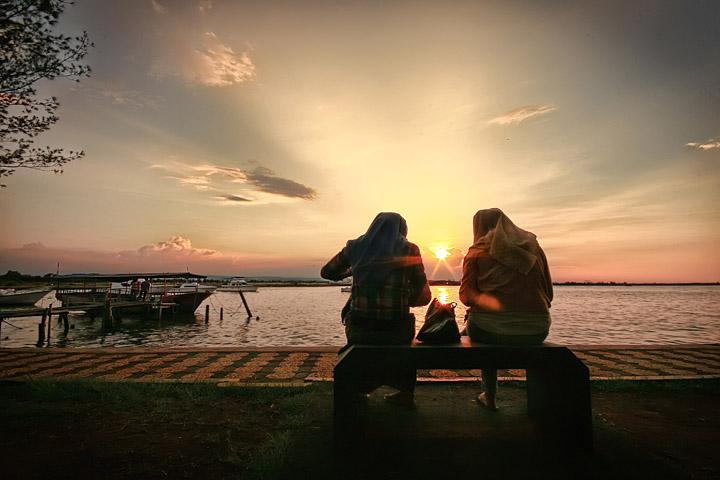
pixel 272 366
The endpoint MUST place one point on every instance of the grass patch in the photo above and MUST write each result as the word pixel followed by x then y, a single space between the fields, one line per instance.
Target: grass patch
pixel 140 429
pixel 270 458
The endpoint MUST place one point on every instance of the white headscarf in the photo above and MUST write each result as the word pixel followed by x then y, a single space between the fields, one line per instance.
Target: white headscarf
pixel 507 243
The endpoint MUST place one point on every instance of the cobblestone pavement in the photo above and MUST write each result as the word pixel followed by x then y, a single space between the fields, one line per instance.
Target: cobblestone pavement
pixel 267 366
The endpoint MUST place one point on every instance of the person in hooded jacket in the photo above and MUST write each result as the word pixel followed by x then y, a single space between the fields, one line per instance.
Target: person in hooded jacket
pixel 388 278
pixel 507 286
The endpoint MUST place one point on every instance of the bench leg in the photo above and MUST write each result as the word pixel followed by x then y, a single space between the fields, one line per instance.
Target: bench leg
pixel 347 410
pixel 559 398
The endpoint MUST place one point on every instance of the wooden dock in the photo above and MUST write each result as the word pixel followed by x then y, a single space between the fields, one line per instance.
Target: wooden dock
pixel 110 311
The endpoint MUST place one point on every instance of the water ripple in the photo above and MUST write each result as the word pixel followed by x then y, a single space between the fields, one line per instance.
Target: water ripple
pixel 304 316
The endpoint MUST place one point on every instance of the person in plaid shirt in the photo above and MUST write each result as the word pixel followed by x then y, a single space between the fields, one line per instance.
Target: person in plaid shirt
pixel 388 278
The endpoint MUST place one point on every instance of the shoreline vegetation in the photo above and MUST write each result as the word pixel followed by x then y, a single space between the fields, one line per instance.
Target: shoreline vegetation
pixel 13 279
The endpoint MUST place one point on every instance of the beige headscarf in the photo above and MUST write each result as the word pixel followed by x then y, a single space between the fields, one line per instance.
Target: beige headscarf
pixel 507 243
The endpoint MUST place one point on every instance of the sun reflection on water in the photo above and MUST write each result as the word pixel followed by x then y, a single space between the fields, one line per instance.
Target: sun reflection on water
pixel 443 295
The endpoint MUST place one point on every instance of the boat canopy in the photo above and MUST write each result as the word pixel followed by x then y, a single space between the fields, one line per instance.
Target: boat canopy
pixel 121 277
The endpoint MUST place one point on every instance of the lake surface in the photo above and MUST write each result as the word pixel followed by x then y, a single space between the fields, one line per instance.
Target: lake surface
pixel 306 316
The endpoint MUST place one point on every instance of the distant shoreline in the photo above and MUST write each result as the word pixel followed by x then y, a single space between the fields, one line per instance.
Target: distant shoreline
pixel 15 279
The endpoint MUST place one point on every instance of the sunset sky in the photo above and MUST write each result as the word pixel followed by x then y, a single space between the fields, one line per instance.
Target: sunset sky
pixel 256 138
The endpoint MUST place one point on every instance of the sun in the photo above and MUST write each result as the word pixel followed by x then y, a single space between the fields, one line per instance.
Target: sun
pixel 441 253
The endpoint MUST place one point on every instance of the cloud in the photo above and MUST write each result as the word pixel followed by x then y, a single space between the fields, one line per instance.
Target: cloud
pixel 205 5
pixel 34 246
pixel 233 198
pixel 222 66
pixel 196 182
pixel 176 245
pixel 711 144
pixel 209 62
pixel 261 185
pixel 94 90
pixel 521 114
pixel 129 97
pixel 157 7
pixel 266 181
pixel 173 255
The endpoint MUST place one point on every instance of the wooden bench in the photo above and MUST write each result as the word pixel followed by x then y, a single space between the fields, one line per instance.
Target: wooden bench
pixel 558 383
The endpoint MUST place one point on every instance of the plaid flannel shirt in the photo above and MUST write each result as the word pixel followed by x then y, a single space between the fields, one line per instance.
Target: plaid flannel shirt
pixel 386 303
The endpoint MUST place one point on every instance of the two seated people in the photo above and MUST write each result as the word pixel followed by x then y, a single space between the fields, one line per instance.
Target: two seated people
pixel 506 286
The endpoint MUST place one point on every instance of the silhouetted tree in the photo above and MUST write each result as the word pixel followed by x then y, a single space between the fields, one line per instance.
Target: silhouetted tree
pixel 30 51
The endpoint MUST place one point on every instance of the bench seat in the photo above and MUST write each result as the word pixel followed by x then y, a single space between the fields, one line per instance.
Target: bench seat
pixel 558 383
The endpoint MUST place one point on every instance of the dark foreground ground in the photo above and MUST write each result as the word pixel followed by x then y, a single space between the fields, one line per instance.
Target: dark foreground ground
pixel 120 430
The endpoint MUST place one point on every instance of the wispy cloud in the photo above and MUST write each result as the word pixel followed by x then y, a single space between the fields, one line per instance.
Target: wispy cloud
pixel 263 179
pixel 266 181
pixel 521 114
pixel 259 184
pixel 223 66
pixel 205 5
pixel 209 62
pixel 116 94
pixel 230 198
pixel 711 144
pixel 158 7
pixel 198 182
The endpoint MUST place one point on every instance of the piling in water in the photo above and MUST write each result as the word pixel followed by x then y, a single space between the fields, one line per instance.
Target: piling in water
pixel 41 330
pixel 49 323
pixel 107 314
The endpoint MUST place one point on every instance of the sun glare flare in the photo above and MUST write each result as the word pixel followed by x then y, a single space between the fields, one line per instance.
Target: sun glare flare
pixel 441 253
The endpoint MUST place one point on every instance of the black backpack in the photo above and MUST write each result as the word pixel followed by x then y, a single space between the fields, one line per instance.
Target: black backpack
pixel 440 325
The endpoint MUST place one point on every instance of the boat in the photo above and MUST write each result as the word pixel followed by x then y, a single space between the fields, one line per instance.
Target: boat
pixel 23 297
pixel 163 288
pixel 237 284
pixel 192 287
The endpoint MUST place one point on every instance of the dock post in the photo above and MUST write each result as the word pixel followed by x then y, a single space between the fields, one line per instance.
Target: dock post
pixel 221 313
pixel 247 308
pixel 49 323
pixel 207 313
pixel 66 322
pixel 41 330
pixel 107 314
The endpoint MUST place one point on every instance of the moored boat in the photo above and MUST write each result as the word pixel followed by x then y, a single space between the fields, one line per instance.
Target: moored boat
pixel 187 302
pixel 163 288
pixel 237 284
pixel 23 297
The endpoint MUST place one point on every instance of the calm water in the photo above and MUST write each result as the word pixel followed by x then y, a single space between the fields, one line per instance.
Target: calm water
pixel 294 316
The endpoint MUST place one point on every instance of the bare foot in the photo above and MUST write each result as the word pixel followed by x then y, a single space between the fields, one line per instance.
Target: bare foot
pixel 487 402
pixel 403 399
